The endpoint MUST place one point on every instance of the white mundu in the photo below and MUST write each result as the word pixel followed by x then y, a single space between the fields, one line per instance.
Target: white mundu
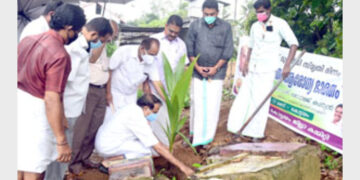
pixel 258 82
pixel 34 131
pixel 127 132
pixel 206 111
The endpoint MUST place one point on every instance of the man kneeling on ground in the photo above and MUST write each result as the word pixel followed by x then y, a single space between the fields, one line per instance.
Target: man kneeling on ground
pixel 128 133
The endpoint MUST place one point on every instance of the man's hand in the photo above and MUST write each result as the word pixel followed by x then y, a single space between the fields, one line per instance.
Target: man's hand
pixel 186 170
pixel 245 69
pixel 164 152
pixel 109 99
pixel 286 71
pixel 212 71
pixel 64 152
pixel 202 70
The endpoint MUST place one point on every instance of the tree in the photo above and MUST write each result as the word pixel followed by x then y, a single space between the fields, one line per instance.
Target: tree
pixel 159 15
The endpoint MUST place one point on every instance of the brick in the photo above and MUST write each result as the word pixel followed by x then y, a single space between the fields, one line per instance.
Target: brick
pixel 141 168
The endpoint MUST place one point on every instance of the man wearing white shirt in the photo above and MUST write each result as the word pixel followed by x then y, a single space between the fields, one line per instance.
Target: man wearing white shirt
pixel 261 63
pixel 94 104
pixel 98 29
pixel 128 133
pixel 130 65
pixel 174 48
pixel 41 24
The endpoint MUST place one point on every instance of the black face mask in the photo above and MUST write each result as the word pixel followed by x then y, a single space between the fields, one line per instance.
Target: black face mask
pixel 72 39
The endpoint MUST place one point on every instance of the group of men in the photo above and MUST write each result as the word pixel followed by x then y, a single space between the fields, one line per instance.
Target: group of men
pixel 74 97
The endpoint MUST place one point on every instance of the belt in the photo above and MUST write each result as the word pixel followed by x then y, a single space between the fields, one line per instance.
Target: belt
pixel 98 86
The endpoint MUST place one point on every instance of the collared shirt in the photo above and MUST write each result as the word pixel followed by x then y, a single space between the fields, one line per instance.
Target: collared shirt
pixel 43 64
pixel 174 51
pixel 99 71
pixel 36 26
pixel 127 70
pixel 127 132
pixel 265 44
pixel 78 81
pixel 212 44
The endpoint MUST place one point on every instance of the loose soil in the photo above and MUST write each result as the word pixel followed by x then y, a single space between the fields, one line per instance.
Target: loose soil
pixel 275 132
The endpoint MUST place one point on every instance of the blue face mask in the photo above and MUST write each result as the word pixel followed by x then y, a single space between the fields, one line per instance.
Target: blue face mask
pixel 210 19
pixel 151 117
pixel 95 45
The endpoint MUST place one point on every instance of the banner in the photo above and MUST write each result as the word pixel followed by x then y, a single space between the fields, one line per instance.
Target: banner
pixel 309 101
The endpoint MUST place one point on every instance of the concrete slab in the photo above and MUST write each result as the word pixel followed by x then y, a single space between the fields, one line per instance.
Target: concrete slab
pixel 250 164
pixel 266 148
pixel 264 162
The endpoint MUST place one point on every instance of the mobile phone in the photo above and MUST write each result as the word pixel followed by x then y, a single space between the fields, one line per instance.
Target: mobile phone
pixel 269 28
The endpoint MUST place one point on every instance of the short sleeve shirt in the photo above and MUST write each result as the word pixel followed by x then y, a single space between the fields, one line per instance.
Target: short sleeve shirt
pixel 127 70
pixel 265 54
pixel 43 64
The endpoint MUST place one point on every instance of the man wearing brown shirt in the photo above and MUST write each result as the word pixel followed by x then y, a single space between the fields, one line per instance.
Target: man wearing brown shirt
pixel 43 69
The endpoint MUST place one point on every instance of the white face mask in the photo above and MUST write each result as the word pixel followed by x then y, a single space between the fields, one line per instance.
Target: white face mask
pixel 148 59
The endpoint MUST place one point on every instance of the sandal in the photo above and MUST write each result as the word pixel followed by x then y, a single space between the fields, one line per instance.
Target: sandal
pixel 103 169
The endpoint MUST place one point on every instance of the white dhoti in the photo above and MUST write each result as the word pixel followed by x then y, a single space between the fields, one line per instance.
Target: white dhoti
pixel 36 144
pixel 254 89
pixel 204 115
pixel 119 100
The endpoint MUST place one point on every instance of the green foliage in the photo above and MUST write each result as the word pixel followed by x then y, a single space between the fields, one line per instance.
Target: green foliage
pixel 329 158
pixel 187 100
pixel 330 162
pixel 196 165
pixel 227 94
pixel 110 48
pixel 317 24
pixel 324 148
pixel 159 15
pixel 177 84
pixel 139 93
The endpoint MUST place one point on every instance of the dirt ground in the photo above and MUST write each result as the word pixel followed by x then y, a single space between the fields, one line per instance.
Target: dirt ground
pixel 275 132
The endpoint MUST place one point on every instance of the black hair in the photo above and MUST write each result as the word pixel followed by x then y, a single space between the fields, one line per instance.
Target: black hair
pixel 175 20
pixel 148 100
pixel 210 4
pixel 68 15
pixel 51 6
pixel 100 25
pixel 146 43
pixel 339 105
pixel 262 3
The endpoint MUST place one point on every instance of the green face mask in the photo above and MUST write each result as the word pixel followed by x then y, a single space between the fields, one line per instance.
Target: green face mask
pixel 210 19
